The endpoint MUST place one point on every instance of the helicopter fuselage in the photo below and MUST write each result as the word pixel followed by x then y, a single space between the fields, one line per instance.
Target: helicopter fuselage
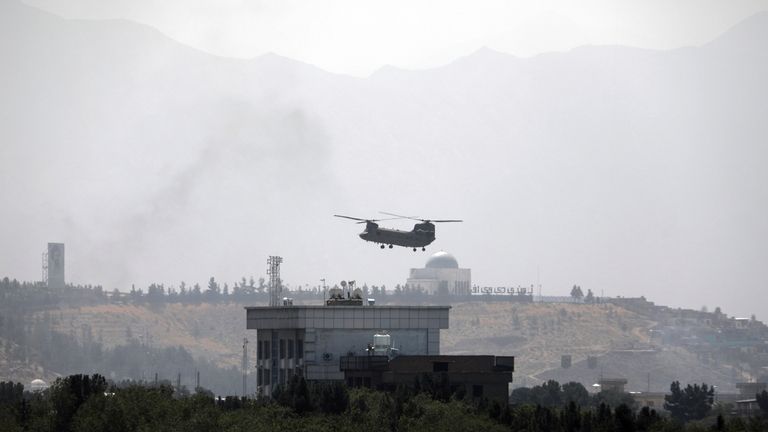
pixel 421 235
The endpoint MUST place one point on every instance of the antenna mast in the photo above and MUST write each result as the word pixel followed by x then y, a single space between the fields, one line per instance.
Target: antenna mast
pixel 275 285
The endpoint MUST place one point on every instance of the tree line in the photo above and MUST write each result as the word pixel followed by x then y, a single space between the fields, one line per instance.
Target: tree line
pixel 92 403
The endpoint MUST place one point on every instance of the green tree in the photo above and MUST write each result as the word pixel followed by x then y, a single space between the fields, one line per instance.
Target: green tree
pixel 613 398
pixel 548 394
pixel 213 290
pixel 69 393
pixel 331 398
pixel 575 392
pixel 577 293
pixel 762 402
pixel 590 297
pixel 692 403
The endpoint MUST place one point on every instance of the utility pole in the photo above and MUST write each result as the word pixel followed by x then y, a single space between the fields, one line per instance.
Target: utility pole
pixel 245 366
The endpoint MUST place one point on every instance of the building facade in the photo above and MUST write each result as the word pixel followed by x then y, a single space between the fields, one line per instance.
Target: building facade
pixel 475 376
pixel 310 340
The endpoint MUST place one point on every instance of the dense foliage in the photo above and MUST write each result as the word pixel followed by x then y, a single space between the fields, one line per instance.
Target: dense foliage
pixel 690 403
pixel 552 394
pixel 90 403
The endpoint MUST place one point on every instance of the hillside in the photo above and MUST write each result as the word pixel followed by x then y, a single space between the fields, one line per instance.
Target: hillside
pixel 536 334
pixel 211 331
pixel 539 334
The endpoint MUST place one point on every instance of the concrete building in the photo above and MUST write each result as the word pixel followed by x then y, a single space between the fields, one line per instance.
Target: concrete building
pixel 310 340
pixel 55 266
pixel 478 376
pixel 441 275
pixel 750 389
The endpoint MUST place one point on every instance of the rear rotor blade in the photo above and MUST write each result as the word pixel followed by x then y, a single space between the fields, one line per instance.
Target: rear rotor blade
pixel 447 220
pixel 397 216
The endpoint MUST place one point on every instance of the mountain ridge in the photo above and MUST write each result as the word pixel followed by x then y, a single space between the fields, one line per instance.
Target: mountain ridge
pixel 629 171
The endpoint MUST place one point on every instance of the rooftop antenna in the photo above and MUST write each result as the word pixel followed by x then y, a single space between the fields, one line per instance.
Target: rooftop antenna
pixel 324 288
pixel 538 279
pixel 275 284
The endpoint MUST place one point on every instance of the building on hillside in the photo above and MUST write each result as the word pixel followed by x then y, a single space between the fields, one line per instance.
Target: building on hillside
pixel 612 384
pixel 750 389
pixel 37 385
pixel 441 275
pixel 309 340
pixel 652 400
pixel 477 376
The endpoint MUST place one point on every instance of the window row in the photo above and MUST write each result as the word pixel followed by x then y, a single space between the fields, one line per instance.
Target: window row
pixel 288 348
pixel 264 376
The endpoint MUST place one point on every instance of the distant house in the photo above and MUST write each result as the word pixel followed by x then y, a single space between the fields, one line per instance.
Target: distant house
pixel 652 400
pixel 615 384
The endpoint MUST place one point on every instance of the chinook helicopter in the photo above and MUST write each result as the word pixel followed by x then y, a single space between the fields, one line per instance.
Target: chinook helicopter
pixel 421 235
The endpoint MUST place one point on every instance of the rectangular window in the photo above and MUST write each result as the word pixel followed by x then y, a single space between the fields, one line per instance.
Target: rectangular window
pixel 282 349
pixel 281 379
pixel 267 353
pixel 477 391
pixel 299 349
pixel 440 367
pixel 290 349
pixel 267 376
pixel 260 376
pixel 259 350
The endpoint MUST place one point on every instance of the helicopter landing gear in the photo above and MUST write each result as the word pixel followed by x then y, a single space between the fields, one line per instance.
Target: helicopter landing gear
pixel 414 249
pixel 390 246
pixel 382 246
pixel 423 249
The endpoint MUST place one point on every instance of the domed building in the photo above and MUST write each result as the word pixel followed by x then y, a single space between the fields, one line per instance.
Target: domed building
pixel 38 385
pixel 441 275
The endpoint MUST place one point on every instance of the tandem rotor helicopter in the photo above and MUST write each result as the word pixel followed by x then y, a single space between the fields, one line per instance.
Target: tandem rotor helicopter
pixel 421 235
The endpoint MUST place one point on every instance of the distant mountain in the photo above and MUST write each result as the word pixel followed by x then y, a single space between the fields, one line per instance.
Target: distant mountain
pixel 624 170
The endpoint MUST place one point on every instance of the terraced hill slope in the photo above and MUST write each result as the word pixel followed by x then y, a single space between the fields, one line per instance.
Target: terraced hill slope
pixel 536 334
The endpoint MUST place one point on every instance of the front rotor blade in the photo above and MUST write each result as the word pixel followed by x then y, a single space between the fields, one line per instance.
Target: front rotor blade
pixel 448 220
pixel 350 217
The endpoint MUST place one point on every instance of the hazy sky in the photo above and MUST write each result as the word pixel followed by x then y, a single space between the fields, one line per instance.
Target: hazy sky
pixel 357 37
pixel 634 172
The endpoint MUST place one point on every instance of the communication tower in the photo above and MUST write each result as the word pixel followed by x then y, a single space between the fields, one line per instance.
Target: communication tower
pixel 45 268
pixel 275 284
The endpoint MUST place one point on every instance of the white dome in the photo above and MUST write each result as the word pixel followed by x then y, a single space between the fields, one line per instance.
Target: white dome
pixel 442 259
pixel 37 385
